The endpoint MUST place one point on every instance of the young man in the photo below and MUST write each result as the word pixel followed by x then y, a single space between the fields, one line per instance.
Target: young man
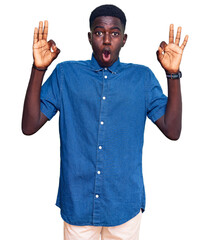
pixel 103 106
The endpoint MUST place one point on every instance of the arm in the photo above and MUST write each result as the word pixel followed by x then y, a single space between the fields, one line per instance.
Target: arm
pixel 33 119
pixel 170 57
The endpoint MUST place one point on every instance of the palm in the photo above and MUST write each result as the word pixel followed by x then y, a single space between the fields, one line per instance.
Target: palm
pixel 42 49
pixel 42 54
pixel 171 58
pixel 170 55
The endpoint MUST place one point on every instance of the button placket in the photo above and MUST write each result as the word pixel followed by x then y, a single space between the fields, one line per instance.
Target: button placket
pixel 100 151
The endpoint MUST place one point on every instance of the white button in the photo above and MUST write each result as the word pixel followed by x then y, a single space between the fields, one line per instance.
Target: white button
pixel 100 147
pixel 105 76
pixel 101 122
pixel 104 97
pixel 97 196
pixel 98 172
pixel 105 68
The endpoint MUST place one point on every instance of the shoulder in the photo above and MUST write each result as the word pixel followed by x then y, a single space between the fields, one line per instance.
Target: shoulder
pixel 136 67
pixel 71 64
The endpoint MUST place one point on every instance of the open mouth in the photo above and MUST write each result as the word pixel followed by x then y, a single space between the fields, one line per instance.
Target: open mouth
pixel 106 55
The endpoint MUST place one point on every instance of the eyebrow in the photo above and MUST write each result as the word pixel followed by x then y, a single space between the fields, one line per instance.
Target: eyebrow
pixel 110 28
pixel 115 28
pixel 98 27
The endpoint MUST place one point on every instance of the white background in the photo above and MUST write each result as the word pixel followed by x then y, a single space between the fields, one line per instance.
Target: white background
pixel 177 174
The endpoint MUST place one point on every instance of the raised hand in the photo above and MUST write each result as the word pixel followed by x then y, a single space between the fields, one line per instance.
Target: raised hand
pixel 43 56
pixel 170 55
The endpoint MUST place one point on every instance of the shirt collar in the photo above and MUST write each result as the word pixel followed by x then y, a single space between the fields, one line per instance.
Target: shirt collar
pixel 113 68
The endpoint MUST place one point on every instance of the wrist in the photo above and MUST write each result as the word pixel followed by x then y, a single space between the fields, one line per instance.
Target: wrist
pixel 39 69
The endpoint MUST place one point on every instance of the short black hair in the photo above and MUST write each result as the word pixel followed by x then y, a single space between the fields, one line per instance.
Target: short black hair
pixel 107 10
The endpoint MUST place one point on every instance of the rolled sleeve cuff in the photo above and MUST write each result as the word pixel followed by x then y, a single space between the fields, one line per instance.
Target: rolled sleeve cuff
pixel 47 112
pixel 158 114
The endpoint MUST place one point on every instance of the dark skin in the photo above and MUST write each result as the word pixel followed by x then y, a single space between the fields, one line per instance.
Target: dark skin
pixel 170 56
pixel 106 37
pixel 33 119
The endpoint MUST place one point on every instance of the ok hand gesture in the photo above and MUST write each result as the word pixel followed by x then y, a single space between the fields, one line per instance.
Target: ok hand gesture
pixel 170 55
pixel 43 56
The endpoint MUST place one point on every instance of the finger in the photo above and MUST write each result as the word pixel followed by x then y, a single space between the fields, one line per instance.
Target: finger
pixel 171 33
pixel 163 45
pixel 40 30
pixel 56 52
pixel 45 32
pixel 51 44
pixel 35 35
pixel 184 42
pixel 178 36
pixel 53 47
pixel 159 54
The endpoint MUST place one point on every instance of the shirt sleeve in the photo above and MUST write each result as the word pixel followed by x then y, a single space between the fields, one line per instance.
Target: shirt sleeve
pixel 50 94
pixel 156 101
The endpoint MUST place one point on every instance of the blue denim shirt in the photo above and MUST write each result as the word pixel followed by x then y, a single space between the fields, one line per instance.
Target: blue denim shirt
pixel 102 119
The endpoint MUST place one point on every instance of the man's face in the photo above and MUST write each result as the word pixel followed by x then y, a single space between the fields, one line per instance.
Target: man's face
pixel 107 38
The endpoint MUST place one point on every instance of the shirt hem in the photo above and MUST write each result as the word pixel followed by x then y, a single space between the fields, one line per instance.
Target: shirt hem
pixel 65 218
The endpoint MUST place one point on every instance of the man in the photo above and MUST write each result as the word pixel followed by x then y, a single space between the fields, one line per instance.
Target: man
pixel 103 105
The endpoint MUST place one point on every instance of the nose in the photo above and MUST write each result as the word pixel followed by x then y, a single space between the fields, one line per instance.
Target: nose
pixel 107 39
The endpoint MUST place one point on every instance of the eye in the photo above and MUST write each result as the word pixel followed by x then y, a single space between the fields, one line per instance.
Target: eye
pixel 99 33
pixel 115 34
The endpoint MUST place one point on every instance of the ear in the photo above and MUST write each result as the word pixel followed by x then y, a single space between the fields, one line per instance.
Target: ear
pixel 90 37
pixel 124 40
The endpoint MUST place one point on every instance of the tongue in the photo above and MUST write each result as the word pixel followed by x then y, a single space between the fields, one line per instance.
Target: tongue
pixel 106 56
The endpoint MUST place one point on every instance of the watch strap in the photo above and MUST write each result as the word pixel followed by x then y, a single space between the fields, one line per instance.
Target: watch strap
pixel 174 76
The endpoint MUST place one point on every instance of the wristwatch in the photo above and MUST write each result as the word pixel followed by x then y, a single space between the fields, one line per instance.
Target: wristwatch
pixel 174 76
